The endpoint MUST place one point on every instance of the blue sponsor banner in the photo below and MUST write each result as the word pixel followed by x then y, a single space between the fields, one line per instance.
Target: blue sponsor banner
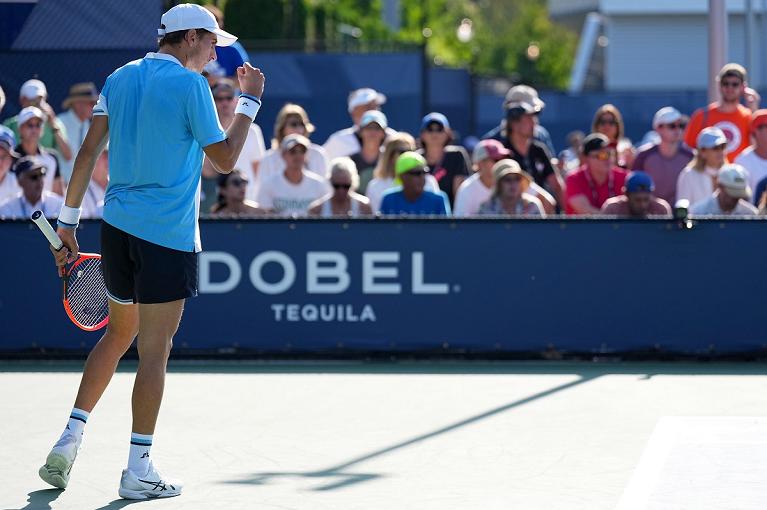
pixel 478 285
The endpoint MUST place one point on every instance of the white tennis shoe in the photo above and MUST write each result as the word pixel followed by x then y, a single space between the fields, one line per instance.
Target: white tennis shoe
pixel 151 485
pixel 59 462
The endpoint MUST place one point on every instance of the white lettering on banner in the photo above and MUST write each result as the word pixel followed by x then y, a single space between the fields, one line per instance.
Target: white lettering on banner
pixel 207 286
pixel 288 269
pixel 419 286
pixel 371 272
pixel 324 313
pixel 337 271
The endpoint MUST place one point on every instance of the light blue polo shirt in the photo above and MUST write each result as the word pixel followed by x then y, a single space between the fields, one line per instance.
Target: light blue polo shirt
pixel 161 115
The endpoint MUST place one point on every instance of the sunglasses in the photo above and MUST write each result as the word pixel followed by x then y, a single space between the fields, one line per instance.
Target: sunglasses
pixel 295 125
pixel 607 122
pixel 238 182
pixel 297 150
pixel 35 177
pixel 602 155
pixel 512 178
pixel 435 129
pixel 416 173
pixel 34 125
pixel 731 84
pixel 679 125
pixel 224 98
pixel 337 185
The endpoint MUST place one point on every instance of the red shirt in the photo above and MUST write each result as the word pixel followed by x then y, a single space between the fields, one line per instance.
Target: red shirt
pixel 580 182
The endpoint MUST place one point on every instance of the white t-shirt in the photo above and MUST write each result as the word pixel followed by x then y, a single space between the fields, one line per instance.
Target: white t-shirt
pixel 377 187
pixel 17 207
pixel 471 194
pixel 345 142
pixel 76 130
pixel 694 185
pixel 288 199
pixel 272 164
pixel 756 166
pixel 252 151
pixel 711 206
pixel 9 186
pixel 93 202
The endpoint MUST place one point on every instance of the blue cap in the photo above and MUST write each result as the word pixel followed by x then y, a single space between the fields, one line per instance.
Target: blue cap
pixel 8 141
pixel 434 117
pixel 639 181
pixel 374 117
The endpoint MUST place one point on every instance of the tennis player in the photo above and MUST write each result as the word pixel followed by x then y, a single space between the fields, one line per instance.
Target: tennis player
pixel 159 117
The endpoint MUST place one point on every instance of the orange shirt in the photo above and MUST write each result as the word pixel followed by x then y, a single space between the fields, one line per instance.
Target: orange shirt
pixel 735 125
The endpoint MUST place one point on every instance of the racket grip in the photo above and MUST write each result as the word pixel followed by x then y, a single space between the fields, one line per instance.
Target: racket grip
pixel 42 223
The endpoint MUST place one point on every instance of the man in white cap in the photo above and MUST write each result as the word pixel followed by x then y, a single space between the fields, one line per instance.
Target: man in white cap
pixel 528 95
pixel 158 115
pixel 292 191
pixel 348 141
pixel 665 160
pixel 54 136
pixel 731 197
pixel 31 121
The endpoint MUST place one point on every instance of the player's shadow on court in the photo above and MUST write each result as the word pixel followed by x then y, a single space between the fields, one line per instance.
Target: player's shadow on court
pixel 345 479
pixel 42 499
pixel 122 503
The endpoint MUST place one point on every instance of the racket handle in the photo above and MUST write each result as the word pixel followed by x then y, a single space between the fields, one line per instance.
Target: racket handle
pixel 39 219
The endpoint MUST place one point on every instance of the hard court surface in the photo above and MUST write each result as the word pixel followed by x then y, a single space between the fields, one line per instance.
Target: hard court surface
pixel 448 435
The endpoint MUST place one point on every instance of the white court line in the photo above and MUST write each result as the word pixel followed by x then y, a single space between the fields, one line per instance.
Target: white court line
pixel 708 459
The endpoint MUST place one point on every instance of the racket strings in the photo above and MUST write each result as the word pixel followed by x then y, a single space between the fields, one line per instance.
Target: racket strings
pixel 86 293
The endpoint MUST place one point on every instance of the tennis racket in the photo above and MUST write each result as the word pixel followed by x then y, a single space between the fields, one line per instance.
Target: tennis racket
pixel 85 295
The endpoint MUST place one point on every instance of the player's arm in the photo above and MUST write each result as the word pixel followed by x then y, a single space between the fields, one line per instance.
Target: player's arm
pixel 85 161
pixel 223 155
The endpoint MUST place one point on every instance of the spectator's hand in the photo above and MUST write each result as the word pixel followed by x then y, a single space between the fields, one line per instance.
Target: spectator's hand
pixel 251 80
pixel 752 98
pixel 69 251
pixel 48 111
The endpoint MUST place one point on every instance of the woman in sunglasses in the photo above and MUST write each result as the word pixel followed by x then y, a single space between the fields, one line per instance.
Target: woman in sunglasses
pixel 449 164
pixel 343 200
pixel 383 175
pixel 509 197
pixel 231 201
pixel 292 119
pixel 609 122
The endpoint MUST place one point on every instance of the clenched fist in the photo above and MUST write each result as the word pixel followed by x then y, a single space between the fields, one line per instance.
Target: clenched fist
pixel 251 80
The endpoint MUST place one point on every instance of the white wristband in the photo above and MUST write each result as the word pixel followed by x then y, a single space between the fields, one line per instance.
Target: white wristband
pixel 248 106
pixel 70 215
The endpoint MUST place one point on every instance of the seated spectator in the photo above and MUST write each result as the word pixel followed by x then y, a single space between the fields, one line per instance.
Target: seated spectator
pixel 449 164
pixel 509 197
pixel 77 120
pixel 383 175
pixel 637 200
pixel 665 160
pixel 411 197
pixel 93 201
pixel 231 201
pixel 569 160
pixel 30 172
pixel 290 192
pixel 372 135
pixel 53 135
pixel 343 201
pixel 225 98
pixel 9 186
pixel 30 123
pixel 754 158
pixel 696 182
pixel 533 157
pixel 347 141
pixel 478 188
pixel 731 197
pixel 292 119
pixel 522 94
pixel 609 122
pixel 727 114
pixel 597 180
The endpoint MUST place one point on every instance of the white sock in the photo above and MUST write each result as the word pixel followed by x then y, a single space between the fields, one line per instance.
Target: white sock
pixel 76 423
pixel 138 457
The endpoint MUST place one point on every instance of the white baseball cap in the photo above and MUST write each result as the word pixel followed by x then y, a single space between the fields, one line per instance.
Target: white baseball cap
pixel 374 117
pixel 734 179
pixel 711 137
pixel 32 89
pixel 360 97
pixel 29 113
pixel 291 141
pixel 191 16
pixel 666 115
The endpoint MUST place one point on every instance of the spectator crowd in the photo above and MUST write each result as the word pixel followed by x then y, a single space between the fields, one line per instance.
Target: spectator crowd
pixel 713 162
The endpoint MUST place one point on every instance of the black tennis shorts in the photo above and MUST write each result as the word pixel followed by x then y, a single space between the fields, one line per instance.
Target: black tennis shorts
pixel 137 271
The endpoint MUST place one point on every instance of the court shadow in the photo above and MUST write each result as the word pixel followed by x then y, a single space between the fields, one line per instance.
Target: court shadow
pixel 345 479
pixel 121 503
pixel 42 499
